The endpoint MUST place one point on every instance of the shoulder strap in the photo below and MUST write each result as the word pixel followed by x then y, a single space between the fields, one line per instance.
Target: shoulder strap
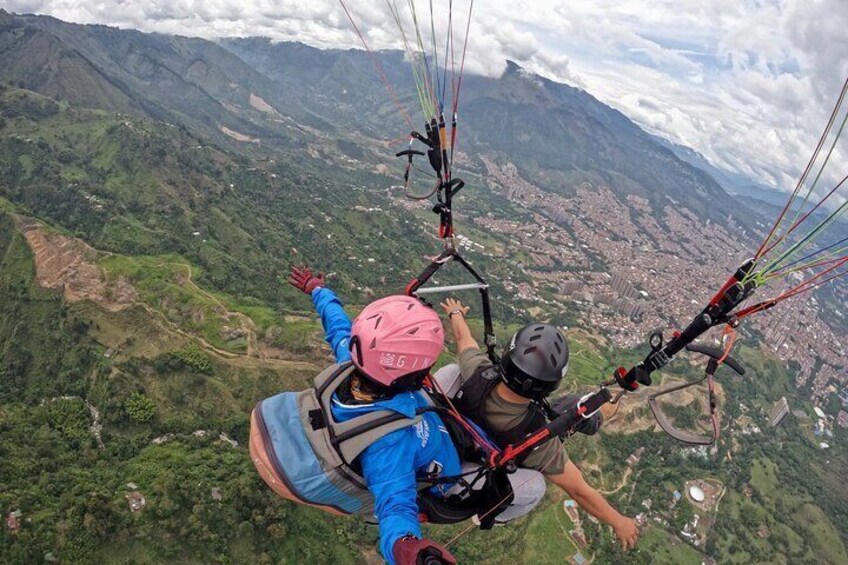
pixel 471 402
pixel 471 398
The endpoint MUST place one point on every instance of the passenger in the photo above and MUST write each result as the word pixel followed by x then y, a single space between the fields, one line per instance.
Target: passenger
pixel 392 344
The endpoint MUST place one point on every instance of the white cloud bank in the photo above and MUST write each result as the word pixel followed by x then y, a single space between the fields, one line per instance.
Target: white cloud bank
pixel 747 83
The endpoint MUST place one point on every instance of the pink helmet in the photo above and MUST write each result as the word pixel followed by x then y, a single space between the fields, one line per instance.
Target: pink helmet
pixel 396 337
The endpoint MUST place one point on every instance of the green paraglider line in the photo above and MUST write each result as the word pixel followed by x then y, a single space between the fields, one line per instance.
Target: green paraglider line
pixel 795 222
pixel 423 50
pixel 417 69
pixel 811 265
pixel 776 264
pixel 805 286
pixel 811 255
pixel 458 85
pixel 379 66
pixel 448 49
pixel 439 99
pixel 806 240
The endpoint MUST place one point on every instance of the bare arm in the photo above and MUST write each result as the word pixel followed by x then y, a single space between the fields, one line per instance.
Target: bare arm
pixel 571 481
pixel 456 312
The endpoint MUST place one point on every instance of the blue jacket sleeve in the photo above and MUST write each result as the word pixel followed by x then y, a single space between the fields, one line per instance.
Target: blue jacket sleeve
pixel 335 321
pixel 388 468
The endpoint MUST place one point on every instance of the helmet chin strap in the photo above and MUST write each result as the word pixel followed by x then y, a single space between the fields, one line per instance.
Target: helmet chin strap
pixel 355 347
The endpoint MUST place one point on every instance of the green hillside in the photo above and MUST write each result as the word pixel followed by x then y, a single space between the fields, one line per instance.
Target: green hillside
pixel 175 318
pixel 144 311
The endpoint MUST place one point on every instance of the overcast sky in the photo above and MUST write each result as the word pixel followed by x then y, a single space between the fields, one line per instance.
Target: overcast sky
pixel 750 84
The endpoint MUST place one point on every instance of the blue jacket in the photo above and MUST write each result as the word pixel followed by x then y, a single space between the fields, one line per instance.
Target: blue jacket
pixel 391 464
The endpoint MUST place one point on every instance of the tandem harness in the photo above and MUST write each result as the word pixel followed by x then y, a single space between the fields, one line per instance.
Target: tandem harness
pixel 304 454
pixel 307 456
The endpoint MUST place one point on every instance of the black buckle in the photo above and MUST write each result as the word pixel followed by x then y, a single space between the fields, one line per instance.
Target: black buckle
pixel 317 420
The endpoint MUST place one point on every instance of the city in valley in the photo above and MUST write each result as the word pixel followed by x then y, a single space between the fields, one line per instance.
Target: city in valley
pixel 628 272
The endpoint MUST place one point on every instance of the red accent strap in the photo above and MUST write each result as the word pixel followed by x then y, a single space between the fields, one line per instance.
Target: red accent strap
pixel 809 284
pixel 728 331
pixel 804 217
pixel 498 459
pixel 806 172
pixel 720 294
pixel 621 372
pixel 478 439
pixel 408 290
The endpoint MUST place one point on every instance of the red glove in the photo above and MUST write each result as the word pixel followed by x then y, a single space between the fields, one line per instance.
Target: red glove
pixel 303 280
pixel 414 551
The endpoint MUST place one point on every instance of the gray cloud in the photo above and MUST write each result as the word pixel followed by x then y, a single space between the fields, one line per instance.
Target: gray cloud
pixel 748 84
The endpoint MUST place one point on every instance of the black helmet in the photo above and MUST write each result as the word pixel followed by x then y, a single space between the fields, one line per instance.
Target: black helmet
pixel 535 360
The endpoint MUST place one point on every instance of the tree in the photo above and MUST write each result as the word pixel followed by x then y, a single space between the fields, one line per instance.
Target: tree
pixel 140 408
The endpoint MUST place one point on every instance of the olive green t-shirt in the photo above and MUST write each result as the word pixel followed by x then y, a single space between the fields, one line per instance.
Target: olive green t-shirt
pixel 550 457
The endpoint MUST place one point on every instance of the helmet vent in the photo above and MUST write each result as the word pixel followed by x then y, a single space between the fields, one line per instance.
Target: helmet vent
pixel 558 348
pixel 373 343
pixel 413 331
pixel 559 337
pixel 535 337
pixel 529 350
pixel 553 360
pixel 410 307
pixel 377 323
pixel 540 328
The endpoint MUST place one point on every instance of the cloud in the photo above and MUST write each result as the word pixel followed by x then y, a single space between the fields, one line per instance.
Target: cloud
pixel 748 84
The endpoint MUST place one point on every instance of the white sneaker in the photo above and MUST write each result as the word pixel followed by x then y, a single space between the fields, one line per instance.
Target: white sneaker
pixel 476 521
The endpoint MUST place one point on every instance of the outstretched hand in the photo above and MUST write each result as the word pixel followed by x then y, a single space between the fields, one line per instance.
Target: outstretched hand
pixel 303 280
pixel 452 306
pixel 627 532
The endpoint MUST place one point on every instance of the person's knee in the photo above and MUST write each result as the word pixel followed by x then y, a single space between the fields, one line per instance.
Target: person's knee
pixel 528 488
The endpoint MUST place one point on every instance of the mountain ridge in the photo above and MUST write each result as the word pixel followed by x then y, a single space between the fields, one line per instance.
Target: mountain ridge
pixel 536 122
pixel 540 125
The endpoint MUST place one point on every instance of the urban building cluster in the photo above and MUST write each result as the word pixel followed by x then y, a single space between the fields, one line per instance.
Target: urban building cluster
pixel 626 270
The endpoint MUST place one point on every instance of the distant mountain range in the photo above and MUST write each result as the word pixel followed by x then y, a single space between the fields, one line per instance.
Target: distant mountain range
pixel 168 78
pixel 287 95
pixel 557 135
pixel 732 182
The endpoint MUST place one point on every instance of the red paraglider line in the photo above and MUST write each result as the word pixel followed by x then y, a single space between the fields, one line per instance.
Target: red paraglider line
pixel 379 67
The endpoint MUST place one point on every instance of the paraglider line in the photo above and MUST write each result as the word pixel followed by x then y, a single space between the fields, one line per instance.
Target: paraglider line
pixel 379 66
pixel 806 170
